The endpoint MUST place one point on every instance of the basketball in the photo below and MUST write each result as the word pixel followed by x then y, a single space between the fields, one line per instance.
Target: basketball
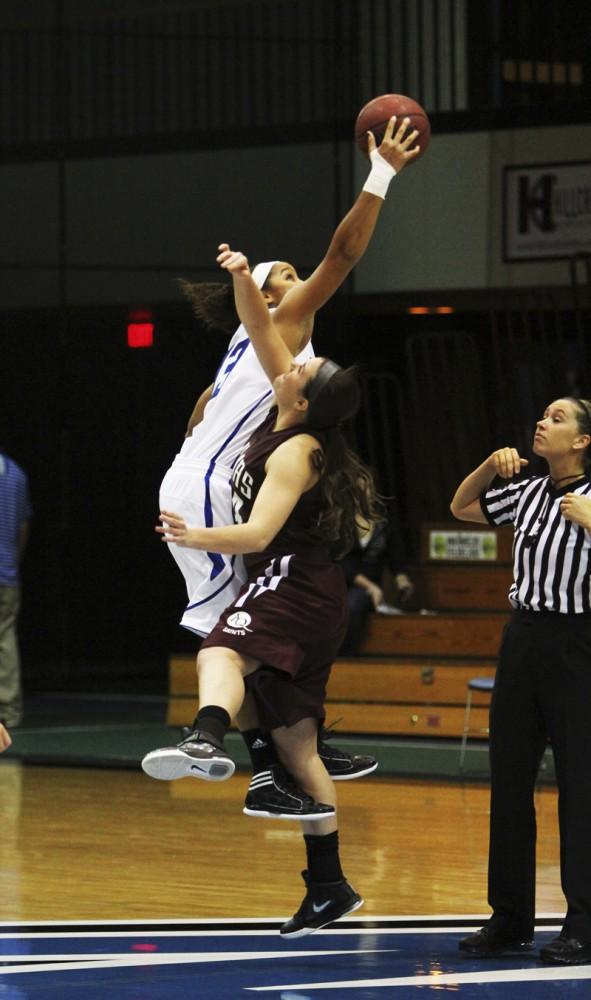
pixel 376 114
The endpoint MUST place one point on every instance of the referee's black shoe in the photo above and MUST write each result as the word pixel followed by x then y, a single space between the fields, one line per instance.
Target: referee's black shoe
pixel 323 903
pixel 489 943
pixel 273 794
pixel 340 765
pixel 566 951
pixel 198 755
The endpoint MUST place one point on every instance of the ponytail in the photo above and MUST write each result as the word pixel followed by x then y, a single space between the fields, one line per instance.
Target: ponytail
pixel 213 304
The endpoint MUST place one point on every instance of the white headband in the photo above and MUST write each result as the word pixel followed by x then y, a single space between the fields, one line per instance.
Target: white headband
pixel 261 272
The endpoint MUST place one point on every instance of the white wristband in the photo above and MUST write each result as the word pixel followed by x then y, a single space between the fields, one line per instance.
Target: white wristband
pixel 380 175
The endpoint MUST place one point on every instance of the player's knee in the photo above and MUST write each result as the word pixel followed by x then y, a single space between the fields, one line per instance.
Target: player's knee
pixel 298 759
pixel 220 657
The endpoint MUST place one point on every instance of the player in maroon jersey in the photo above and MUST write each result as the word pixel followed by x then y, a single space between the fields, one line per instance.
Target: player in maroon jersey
pixel 297 492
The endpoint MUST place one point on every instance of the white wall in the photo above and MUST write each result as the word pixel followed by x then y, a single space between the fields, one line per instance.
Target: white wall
pixel 134 223
pixel 441 226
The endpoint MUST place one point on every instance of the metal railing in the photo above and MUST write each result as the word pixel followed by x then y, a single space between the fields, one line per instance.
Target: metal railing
pixel 78 73
pixel 177 69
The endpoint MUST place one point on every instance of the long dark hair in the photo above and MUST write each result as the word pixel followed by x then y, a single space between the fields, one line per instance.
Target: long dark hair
pixel 347 487
pixel 213 304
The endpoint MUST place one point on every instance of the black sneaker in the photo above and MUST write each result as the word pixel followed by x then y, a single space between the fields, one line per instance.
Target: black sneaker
pixel 323 903
pixel 196 756
pixel 488 943
pixel 274 794
pixel 340 765
pixel 566 951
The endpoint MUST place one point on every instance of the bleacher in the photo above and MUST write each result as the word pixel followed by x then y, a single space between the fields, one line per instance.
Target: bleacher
pixel 410 677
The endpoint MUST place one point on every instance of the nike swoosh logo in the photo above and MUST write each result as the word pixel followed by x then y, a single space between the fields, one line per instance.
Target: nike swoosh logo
pixel 195 767
pixel 319 909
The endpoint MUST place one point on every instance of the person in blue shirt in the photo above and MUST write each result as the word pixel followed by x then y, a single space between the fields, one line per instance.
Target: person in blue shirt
pixel 15 513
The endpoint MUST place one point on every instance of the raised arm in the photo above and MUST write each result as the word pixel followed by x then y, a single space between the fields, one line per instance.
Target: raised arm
pixel 292 319
pixel 273 352
pixel 353 234
pixel 505 462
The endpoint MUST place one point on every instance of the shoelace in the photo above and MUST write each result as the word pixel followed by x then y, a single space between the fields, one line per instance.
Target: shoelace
pixel 327 732
pixel 187 733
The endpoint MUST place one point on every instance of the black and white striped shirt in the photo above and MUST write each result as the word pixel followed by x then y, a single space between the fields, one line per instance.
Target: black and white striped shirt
pixel 551 556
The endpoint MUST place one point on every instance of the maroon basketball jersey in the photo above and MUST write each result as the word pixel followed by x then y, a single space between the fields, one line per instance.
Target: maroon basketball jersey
pixel 291 612
pixel 301 534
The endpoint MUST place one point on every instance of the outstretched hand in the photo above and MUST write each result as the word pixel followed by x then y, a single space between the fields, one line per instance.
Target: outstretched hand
pixel 232 260
pixel 395 147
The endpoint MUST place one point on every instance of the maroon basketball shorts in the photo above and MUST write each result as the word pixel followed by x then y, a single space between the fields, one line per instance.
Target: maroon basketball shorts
pixel 291 615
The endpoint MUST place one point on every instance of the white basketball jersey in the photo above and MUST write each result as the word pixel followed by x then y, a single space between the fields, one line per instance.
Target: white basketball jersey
pixel 240 401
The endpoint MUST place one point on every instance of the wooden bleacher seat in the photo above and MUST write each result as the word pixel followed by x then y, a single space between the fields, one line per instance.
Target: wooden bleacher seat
pixel 412 672
pixel 457 588
pixel 392 693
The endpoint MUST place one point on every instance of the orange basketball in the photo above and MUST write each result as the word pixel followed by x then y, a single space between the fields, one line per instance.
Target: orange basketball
pixel 376 114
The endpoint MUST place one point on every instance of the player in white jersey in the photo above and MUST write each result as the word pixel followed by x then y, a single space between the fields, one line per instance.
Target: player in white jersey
pixel 198 482
pixel 197 486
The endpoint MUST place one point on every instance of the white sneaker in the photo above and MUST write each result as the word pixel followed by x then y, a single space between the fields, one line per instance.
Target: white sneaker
pixel 194 757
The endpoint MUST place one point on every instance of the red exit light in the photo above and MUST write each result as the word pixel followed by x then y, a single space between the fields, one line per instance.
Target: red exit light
pixel 140 334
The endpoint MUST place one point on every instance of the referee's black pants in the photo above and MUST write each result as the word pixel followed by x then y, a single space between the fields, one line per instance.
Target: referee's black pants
pixel 542 692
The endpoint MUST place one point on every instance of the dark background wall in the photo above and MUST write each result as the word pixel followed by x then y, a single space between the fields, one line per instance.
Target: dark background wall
pixel 95 425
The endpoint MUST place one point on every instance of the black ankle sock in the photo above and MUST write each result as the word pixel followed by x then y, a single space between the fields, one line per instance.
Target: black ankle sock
pixel 261 749
pixel 323 857
pixel 214 720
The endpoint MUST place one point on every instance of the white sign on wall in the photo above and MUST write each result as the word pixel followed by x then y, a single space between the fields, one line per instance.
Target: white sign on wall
pixel 546 210
pixel 469 545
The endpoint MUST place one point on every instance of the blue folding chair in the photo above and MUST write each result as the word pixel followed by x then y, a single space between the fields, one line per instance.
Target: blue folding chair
pixel 485 684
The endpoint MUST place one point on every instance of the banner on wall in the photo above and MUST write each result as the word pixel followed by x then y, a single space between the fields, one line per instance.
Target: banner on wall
pixel 465 545
pixel 546 210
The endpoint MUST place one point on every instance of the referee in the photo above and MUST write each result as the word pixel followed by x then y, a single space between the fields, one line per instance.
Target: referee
pixel 543 682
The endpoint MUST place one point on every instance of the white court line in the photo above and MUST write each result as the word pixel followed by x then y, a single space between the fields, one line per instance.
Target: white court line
pixel 66 963
pixel 533 974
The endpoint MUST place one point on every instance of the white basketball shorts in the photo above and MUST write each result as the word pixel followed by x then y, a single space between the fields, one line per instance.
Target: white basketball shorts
pixel 212 580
